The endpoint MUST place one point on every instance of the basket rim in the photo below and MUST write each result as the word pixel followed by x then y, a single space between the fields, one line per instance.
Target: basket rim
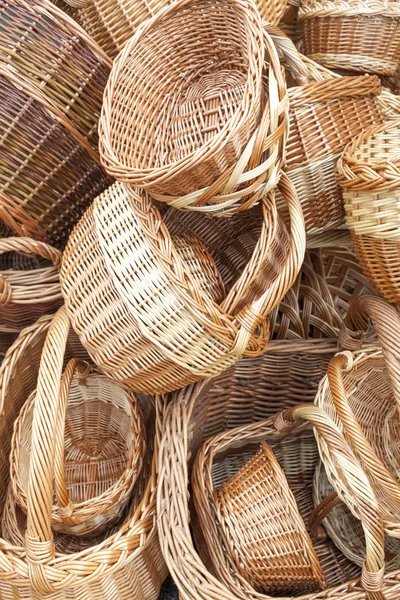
pixel 311 9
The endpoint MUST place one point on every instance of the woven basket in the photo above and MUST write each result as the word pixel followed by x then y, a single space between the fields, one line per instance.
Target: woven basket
pixel 127 560
pixel 193 123
pixel 326 112
pixel 50 51
pixel 154 327
pixel 361 393
pixel 99 450
pixel 262 529
pixel 46 166
pixel 355 35
pixel 369 172
pixel 29 285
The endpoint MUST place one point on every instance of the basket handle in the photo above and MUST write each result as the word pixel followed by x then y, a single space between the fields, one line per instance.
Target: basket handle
pixel 29 246
pixel 39 542
pixel 19 220
pixel 65 504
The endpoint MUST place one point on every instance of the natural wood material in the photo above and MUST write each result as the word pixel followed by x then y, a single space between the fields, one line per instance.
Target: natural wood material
pixel 195 123
pixel 369 172
pixel 127 561
pixel 154 327
pixel 354 35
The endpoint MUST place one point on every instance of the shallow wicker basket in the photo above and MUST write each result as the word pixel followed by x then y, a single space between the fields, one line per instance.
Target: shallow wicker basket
pixel 29 285
pixel 47 49
pixel 355 35
pixel 361 393
pixel 99 441
pixel 262 529
pixel 326 112
pixel 369 172
pixel 127 560
pixel 154 327
pixel 194 123
pixel 46 166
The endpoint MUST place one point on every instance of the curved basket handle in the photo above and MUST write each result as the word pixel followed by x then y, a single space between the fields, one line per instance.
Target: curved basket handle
pixel 29 246
pixel 293 59
pixel 65 504
pixel 19 220
pixel 39 543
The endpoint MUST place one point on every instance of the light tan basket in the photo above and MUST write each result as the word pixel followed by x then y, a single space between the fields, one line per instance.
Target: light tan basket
pixel 263 531
pixel 369 172
pixel 29 285
pixel 126 560
pixel 194 123
pixel 154 327
pixel 354 35
pixel 99 441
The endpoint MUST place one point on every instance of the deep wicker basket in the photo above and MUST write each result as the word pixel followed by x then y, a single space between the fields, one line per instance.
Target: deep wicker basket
pixel 29 285
pixel 194 123
pixel 154 327
pixel 354 35
pixel 369 172
pixel 127 560
pixel 100 445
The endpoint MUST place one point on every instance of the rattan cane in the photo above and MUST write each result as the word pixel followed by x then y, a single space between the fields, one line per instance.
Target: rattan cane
pixel 194 123
pixel 127 562
pixel 46 166
pixel 369 172
pixel 99 451
pixel 154 327
pixel 355 35
pixel 49 50
pixel 29 288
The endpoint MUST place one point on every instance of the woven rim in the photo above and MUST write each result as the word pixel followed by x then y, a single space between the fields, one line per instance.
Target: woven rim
pixel 310 9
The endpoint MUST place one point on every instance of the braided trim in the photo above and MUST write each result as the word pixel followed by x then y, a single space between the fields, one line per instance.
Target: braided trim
pixel 348 8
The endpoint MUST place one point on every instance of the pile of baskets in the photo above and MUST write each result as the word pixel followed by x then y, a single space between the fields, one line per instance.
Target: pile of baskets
pixel 199 291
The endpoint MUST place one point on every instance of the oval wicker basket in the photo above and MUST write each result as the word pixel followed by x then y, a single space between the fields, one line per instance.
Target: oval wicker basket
pixel 194 123
pixel 127 560
pixel 29 285
pixel 326 112
pixel 354 35
pixel 46 166
pixel 100 444
pixel 369 172
pixel 154 328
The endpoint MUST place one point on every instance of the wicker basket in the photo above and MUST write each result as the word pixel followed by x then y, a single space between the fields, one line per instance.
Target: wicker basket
pixel 262 530
pixel 354 35
pixel 326 112
pixel 361 393
pixel 154 327
pixel 369 172
pixel 193 123
pixel 46 166
pixel 29 285
pixel 15 220
pixel 49 50
pixel 127 561
pixel 99 450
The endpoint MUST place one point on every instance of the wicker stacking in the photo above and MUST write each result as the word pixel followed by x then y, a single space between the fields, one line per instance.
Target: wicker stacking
pixel 29 285
pixel 326 112
pixel 140 311
pixel 361 393
pixel 194 123
pixel 261 527
pixel 354 35
pixel 99 449
pixel 127 561
pixel 369 172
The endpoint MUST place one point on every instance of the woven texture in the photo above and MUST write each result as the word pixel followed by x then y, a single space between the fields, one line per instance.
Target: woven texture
pixel 263 529
pixel 369 172
pixel 154 327
pixel 99 451
pixel 194 123
pixel 354 35
pixel 46 166
pixel 29 285
pixel 127 561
